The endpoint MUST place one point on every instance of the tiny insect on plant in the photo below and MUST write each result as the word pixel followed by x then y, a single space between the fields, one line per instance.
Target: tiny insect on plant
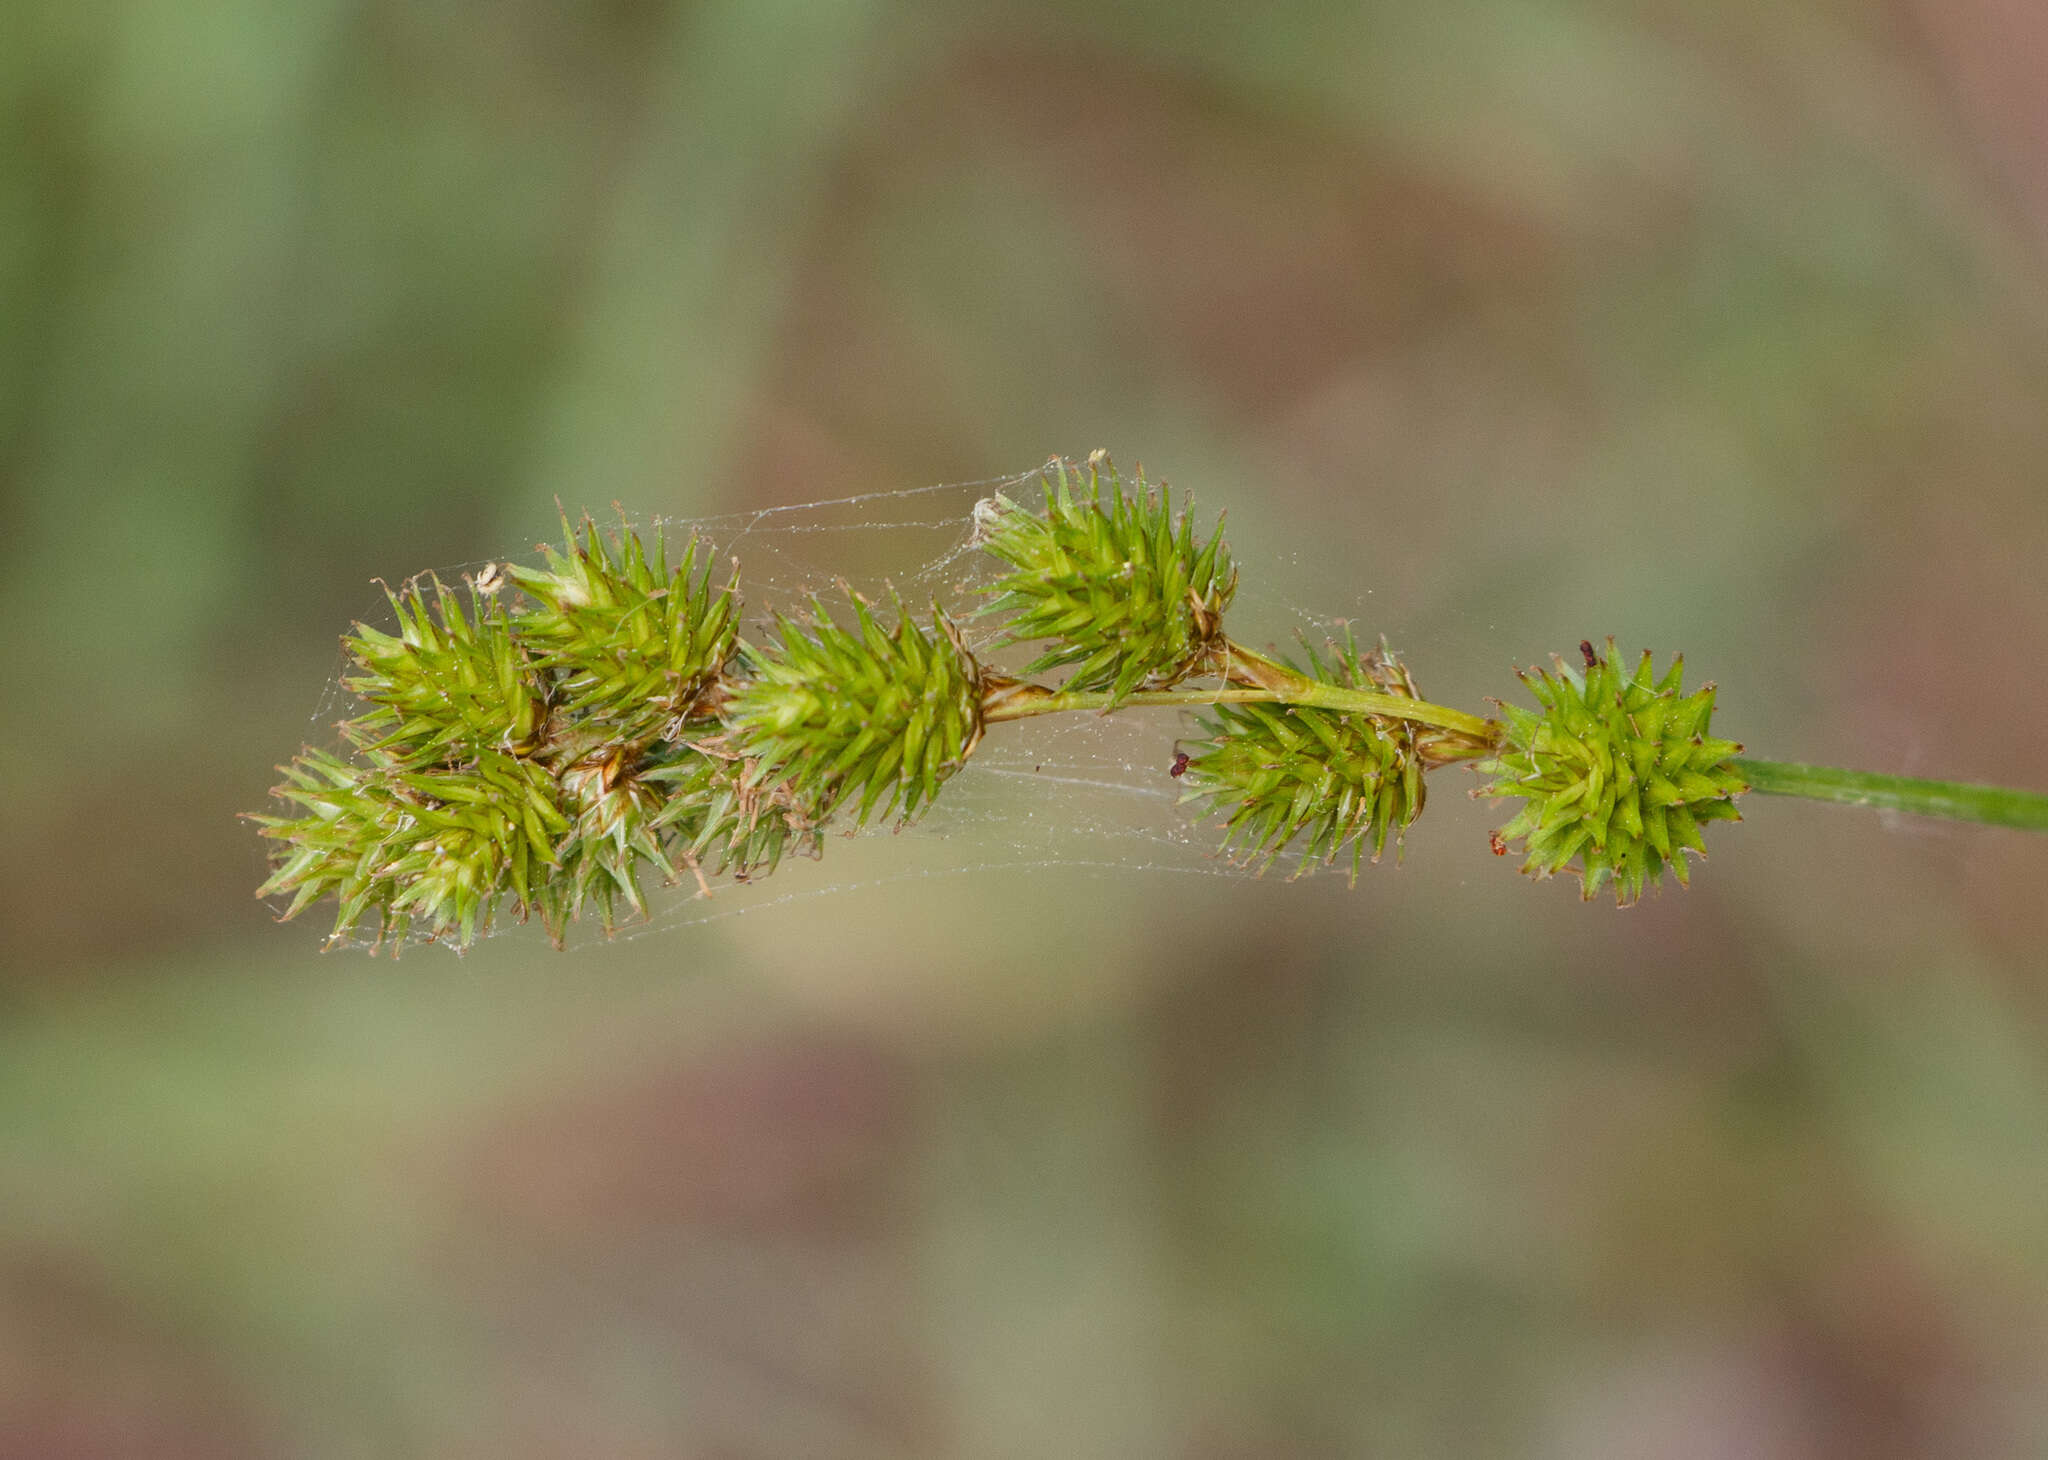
pixel 576 726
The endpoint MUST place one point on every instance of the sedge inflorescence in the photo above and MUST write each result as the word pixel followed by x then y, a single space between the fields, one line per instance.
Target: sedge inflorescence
pixel 517 751
pixel 552 736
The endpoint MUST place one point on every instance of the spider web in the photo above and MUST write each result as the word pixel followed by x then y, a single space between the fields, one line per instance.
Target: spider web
pixel 1056 791
pixel 1082 791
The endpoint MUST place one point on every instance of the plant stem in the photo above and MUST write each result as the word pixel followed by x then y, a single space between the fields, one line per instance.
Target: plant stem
pixel 1252 678
pixel 1021 703
pixel 1955 800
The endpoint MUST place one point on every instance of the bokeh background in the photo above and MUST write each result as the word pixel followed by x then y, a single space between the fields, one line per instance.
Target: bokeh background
pixel 1491 323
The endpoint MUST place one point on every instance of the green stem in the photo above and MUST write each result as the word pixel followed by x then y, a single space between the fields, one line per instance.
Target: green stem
pixel 1021 706
pixel 1955 800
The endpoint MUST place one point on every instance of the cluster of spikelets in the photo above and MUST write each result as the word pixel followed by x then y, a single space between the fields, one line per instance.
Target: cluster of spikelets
pixel 558 733
pixel 1615 776
pixel 607 725
pixel 1314 780
pixel 563 733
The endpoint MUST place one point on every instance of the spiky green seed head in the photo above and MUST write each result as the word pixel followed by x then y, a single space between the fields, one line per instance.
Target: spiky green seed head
pixel 1616 774
pixel 447 685
pixel 429 852
pixel 1108 578
pixel 1310 778
pixel 629 645
pixel 829 714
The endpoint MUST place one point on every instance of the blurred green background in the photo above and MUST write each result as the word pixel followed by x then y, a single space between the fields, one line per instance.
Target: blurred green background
pixel 1493 323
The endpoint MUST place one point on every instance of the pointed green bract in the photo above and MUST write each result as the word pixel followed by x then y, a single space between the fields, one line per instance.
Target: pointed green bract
pixel 1314 779
pixel 830 714
pixel 1616 775
pixel 1111 581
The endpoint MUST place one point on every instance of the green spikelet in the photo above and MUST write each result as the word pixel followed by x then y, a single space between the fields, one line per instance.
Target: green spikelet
pixel 446 686
pixel 631 646
pixel 1616 775
pixel 1117 588
pixel 428 852
pixel 830 714
pixel 1286 775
